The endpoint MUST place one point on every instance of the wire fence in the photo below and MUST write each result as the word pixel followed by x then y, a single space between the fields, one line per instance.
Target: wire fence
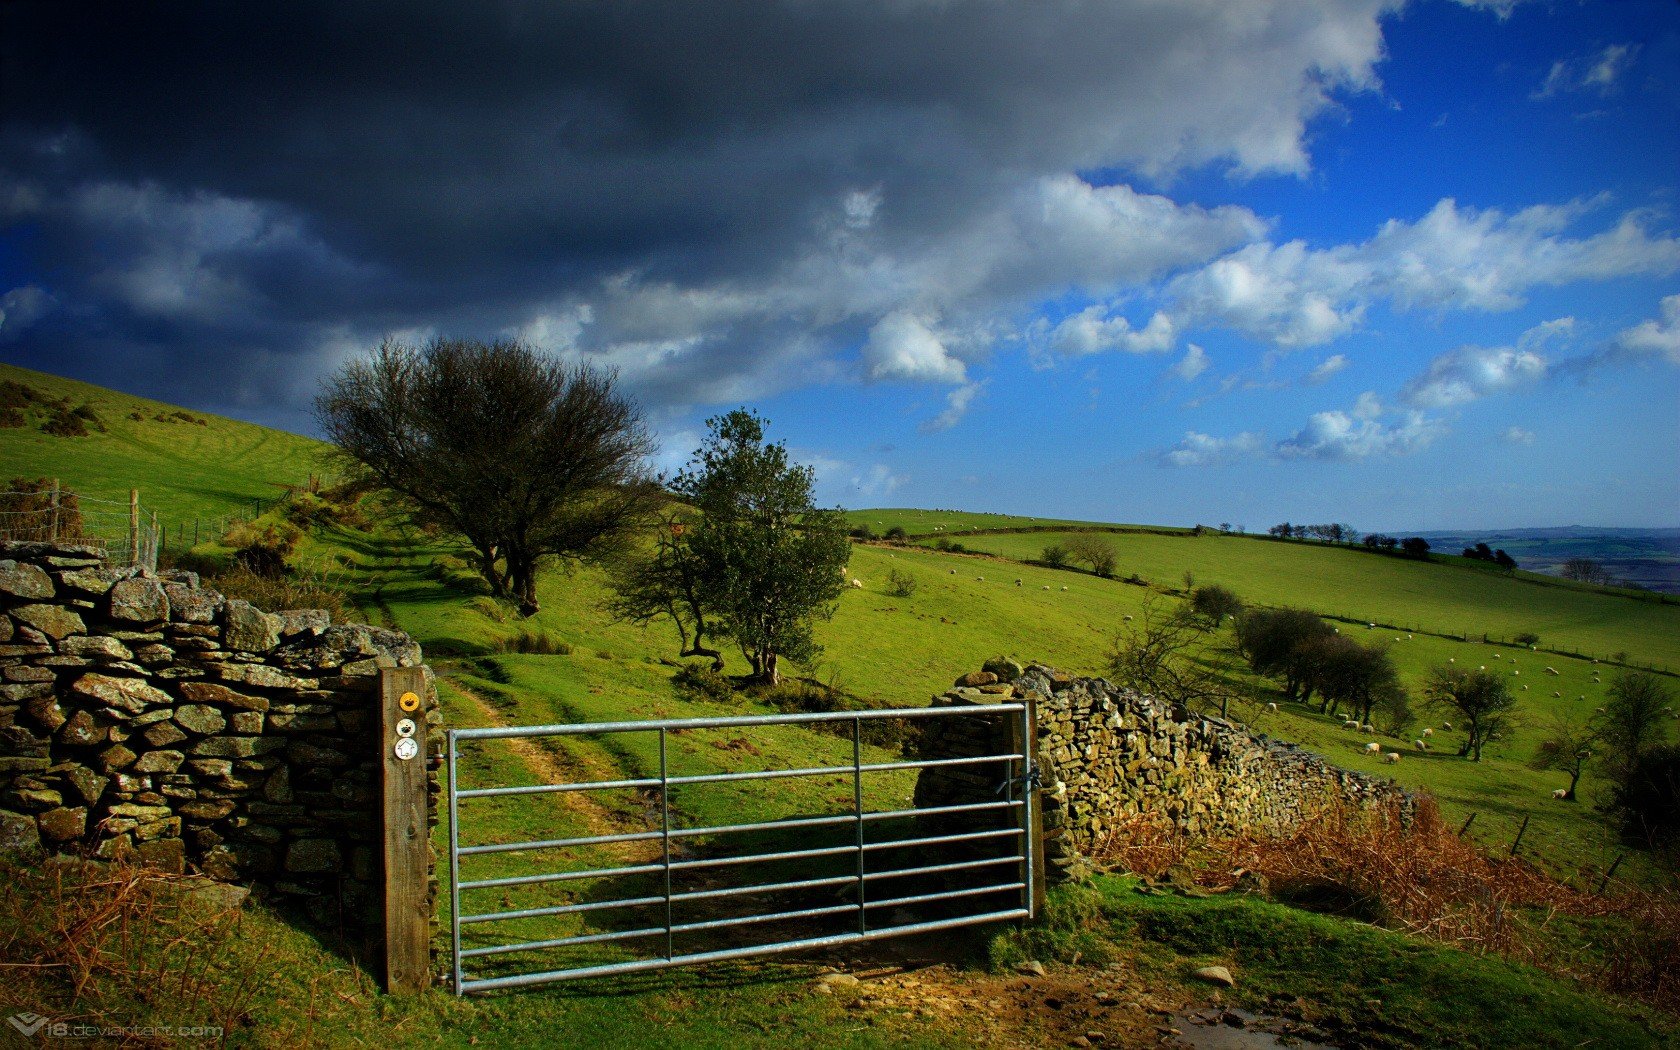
pixel 126 532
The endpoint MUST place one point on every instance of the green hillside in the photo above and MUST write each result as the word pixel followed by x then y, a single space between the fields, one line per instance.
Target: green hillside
pixel 892 651
pixel 185 464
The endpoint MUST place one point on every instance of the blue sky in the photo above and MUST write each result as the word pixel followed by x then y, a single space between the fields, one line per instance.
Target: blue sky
pixel 1406 266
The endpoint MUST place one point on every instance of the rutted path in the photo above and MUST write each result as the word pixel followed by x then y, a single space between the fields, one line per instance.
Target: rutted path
pixel 556 766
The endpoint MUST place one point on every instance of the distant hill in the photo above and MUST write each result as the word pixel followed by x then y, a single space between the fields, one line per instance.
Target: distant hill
pixel 1648 558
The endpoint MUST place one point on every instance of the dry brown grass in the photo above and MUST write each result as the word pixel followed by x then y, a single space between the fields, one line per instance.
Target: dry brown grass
pixel 1421 878
pixel 104 945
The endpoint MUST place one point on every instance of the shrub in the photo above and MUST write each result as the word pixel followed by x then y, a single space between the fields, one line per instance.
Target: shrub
pixel 18 395
pixel 1055 556
pixel 1528 638
pixel 862 532
pixel 87 415
pixel 65 424
pixel 698 683
pixel 263 548
pixel 11 417
pixel 897 533
pixel 900 584
pixel 273 592
pixel 540 643
pixel 29 506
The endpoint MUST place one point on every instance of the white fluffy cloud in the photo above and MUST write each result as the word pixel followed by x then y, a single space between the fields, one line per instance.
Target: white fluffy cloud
pixel 1599 72
pixel 1452 258
pixel 1200 450
pixel 1327 368
pixel 1470 373
pixel 1656 337
pixel 1193 364
pixel 1343 435
pixel 878 480
pixel 903 346
pixel 1518 436
pixel 957 403
pixel 1091 331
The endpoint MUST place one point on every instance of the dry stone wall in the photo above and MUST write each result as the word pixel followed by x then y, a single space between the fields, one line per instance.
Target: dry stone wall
pixel 146 717
pixel 1107 754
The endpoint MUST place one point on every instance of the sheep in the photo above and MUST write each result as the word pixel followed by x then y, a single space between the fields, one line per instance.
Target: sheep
pixel 1392 757
pixel 1446 725
pixel 1064 586
pixel 1127 617
pixel 1560 793
pixel 953 572
pixel 1525 687
pixel 1045 587
pixel 1271 707
pixel 1368 728
pixel 1428 731
pixel 1350 723
pixel 1482 667
pixel 1496 656
pixel 1420 745
pixel 1370 627
pixel 1452 660
pixel 1373 747
pixel 857 585
pixel 982 579
pixel 1551 670
pixel 1556 695
pixel 1408 638
pixel 1017 583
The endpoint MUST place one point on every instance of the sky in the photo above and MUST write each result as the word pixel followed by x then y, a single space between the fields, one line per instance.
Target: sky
pixel 1406 266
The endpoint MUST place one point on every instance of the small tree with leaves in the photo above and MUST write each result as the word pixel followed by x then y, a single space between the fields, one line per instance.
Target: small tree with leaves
pixel 1637 708
pixel 1213 604
pixel 1479 700
pixel 1055 556
pixel 666 583
pixel 769 561
pixel 1163 652
pixel 1097 551
pixel 1567 747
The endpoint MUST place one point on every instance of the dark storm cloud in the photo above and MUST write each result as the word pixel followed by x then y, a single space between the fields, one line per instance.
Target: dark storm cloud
pixel 708 195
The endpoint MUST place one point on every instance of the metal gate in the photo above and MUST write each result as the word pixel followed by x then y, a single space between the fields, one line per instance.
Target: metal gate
pixel 904 869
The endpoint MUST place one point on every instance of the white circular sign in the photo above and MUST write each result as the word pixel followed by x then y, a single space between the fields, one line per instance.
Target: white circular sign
pixel 406 748
pixel 405 727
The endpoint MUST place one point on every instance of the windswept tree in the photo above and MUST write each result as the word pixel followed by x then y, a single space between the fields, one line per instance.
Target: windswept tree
pixel 1567 747
pixel 1212 604
pixel 1480 702
pixel 769 562
pixel 521 457
pixel 1163 652
pixel 667 583
pixel 1358 677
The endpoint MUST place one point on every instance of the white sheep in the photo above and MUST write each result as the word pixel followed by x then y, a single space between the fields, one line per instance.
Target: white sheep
pixel 1127 617
pixel 1560 793
pixel 1428 731
pixel 1271 707
pixel 953 572
pixel 1368 728
pixel 857 585
pixel 1064 586
pixel 1349 723
pixel 1496 656
pixel 1446 725
pixel 1045 587
pixel 1392 757
pixel 1551 670
pixel 1017 583
pixel 1420 745
pixel 1373 747
pixel 1556 694
pixel 982 579
pixel 1452 660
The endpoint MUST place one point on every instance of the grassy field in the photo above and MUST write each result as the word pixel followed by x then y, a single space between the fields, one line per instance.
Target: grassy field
pixel 182 469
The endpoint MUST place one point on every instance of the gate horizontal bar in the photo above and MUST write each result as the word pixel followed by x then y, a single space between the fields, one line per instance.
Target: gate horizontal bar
pixel 563 942
pixel 767 887
pixel 972 891
pixel 562 876
pixel 583 729
pixel 721 778
pixel 724 829
pixel 935 869
pixel 522 980
pixel 561 909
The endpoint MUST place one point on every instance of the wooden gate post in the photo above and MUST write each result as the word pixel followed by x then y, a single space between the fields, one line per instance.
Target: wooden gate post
pixel 402 743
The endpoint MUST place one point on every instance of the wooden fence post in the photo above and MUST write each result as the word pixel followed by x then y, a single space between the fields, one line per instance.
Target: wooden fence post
pixel 402 745
pixel 52 534
pixel 134 526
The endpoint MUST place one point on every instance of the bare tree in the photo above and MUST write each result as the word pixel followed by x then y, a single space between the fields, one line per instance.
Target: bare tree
pixel 1585 570
pixel 1567 747
pixel 521 457
pixel 1097 550
pixel 1164 652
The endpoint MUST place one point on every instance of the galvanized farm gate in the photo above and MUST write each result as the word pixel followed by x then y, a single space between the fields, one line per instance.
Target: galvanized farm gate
pixel 906 870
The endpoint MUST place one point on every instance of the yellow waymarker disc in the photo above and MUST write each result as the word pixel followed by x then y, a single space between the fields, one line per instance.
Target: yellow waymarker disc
pixel 409 702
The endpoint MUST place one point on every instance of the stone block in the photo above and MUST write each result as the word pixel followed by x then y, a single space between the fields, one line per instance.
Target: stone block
pixel 167 855
pixel 22 580
pixel 222 696
pixel 63 824
pixel 193 605
pixel 20 839
pixel 128 694
pixel 159 762
pixel 53 621
pixel 137 601
pixel 249 722
pixel 114 758
pixel 235 746
pixel 162 734
pixel 306 856
pixel 200 718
